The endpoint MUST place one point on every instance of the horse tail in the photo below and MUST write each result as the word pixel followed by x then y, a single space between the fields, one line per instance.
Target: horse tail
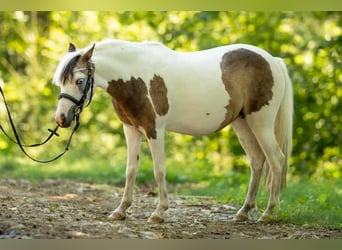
pixel 283 126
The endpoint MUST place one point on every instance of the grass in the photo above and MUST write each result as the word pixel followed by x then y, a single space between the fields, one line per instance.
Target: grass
pixel 315 202
pixel 302 202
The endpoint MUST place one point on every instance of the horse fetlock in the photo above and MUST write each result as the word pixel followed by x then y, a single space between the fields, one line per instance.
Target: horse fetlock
pixel 240 217
pixel 163 207
pixel 120 212
pixel 265 217
pixel 247 207
pixel 158 215
pixel 242 214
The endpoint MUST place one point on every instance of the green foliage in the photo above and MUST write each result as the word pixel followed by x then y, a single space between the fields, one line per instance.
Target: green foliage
pixel 310 42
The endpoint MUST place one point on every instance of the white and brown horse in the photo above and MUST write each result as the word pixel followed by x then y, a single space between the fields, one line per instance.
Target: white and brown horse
pixel 154 89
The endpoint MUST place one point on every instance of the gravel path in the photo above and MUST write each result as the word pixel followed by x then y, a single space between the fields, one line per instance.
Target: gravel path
pixel 69 209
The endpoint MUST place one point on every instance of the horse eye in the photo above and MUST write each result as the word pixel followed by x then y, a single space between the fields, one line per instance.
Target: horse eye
pixel 79 81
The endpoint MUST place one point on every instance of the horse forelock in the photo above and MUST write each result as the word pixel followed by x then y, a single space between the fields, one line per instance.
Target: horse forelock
pixel 65 68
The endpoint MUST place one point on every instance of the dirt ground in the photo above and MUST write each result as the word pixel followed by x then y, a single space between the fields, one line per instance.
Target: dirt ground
pixel 68 209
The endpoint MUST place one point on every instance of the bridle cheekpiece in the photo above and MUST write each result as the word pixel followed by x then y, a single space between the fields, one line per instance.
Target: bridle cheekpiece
pixel 80 104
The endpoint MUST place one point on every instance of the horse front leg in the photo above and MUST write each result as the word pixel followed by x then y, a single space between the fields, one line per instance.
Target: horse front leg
pixel 157 151
pixel 133 141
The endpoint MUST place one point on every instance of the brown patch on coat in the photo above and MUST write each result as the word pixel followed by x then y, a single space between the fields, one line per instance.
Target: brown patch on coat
pixel 158 92
pixel 248 79
pixel 132 104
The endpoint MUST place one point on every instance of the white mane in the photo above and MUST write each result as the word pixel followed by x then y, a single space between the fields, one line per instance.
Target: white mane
pixel 61 66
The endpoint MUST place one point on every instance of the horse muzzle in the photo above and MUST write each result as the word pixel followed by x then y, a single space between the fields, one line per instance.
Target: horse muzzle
pixel 65 120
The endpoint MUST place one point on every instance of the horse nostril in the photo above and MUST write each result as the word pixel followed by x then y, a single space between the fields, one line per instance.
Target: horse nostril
pixel 63 118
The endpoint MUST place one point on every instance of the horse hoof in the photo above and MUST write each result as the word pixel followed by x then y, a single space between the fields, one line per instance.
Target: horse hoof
pixel 155 219
pixel 240 217
pixel 116 215
pixel 264 218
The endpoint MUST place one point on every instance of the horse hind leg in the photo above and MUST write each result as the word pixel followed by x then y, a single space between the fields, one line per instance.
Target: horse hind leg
pixel 256 158
pixel 265 135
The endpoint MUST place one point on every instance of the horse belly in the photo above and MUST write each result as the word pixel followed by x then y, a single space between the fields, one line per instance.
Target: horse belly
pixel 201 127
pixel 199 112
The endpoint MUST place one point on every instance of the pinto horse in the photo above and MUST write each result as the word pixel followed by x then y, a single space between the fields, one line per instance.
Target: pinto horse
pixel 154 88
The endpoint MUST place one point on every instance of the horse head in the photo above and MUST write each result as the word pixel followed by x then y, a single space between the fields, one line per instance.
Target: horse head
pixel 74 76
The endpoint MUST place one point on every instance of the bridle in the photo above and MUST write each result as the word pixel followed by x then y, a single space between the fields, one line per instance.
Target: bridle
pixel 80 105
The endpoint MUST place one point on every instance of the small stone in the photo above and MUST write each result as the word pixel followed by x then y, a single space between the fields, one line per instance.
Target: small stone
pixel 18 227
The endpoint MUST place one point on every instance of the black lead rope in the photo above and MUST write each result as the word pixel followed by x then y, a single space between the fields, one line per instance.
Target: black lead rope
pixel 79 107
pixel 23 146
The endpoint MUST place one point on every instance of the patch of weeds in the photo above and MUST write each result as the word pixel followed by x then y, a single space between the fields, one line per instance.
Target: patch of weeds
pixel 312 203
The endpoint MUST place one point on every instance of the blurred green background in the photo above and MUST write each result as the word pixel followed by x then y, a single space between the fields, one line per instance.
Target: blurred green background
pixel 33 42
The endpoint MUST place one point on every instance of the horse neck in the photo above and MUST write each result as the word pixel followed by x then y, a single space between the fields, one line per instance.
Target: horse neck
pixel 123 60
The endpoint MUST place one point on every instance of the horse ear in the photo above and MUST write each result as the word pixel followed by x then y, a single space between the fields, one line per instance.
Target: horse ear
pixel 72 48
pixel 86 57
